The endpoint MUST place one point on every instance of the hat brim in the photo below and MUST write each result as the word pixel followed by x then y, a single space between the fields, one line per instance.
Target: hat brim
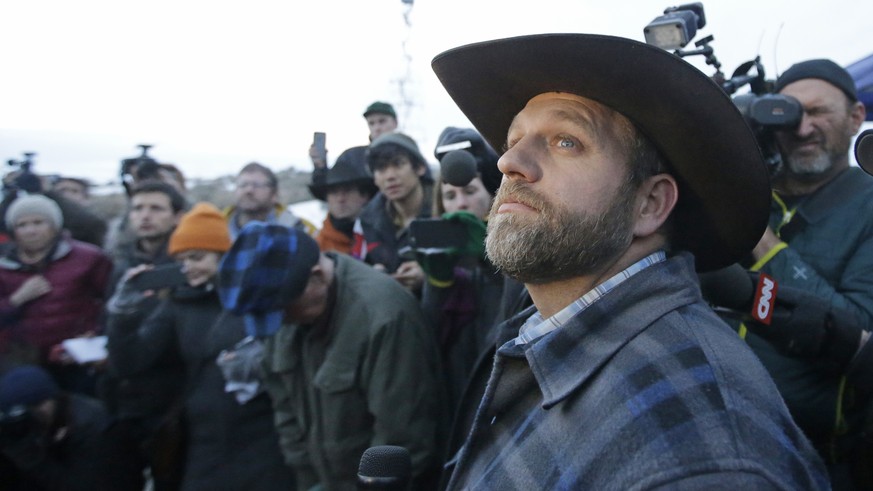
pixel 320 191
pixel 724 186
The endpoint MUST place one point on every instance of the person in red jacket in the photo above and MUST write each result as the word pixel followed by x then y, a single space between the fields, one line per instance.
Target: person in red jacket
pixel 52 288
pixel 346 187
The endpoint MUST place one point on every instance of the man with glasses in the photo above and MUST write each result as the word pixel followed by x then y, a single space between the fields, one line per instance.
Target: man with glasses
pixel 256 197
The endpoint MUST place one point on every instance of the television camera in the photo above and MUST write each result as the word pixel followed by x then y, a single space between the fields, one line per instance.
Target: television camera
pixel 17 423
pixel 764 111
pixel 137 168
pixel 22 177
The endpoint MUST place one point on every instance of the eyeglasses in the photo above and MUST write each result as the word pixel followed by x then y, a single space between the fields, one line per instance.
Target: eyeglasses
pixel 252 184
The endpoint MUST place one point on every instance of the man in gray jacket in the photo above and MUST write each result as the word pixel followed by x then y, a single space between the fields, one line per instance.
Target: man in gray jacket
pixel 349 362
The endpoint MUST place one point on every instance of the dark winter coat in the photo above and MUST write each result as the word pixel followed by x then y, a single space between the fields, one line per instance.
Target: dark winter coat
pixel 383 240
pixel 230 445
pixel 371 379
pixel 87 458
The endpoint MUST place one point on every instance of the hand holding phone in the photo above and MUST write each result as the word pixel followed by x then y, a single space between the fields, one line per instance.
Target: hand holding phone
pixel 161 276
pixel 436 233
pixel 318 152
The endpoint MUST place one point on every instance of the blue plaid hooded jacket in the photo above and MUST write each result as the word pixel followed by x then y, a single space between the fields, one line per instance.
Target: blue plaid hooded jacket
pixel 645 389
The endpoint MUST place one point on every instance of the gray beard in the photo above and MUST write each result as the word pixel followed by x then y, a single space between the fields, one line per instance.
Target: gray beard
pixel 809 167
pixel 558 244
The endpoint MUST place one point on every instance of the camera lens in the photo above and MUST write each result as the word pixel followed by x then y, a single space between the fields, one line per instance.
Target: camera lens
pixel 15 423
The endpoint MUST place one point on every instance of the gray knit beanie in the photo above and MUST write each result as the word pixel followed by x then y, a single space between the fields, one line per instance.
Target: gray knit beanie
pixel 34 204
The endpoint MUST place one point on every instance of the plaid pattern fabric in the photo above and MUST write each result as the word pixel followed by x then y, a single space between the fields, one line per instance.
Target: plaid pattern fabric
pixel 644 389
pixel 535 326
pixel 267 266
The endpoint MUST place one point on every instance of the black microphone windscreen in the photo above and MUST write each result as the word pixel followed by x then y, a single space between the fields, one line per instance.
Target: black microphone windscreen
pixel 458 167
pixel 384 467
pixel 864 150
pixel 729 287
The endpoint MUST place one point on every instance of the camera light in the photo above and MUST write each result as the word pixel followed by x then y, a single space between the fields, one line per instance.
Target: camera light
pixel 672 31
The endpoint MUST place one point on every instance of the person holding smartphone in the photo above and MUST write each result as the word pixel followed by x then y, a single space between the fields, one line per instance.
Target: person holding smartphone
pixel 225 440
pixel 463 289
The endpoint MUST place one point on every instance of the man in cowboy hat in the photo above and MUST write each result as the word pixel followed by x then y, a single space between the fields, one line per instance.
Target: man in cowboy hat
pixel 624 169
pixel 346 187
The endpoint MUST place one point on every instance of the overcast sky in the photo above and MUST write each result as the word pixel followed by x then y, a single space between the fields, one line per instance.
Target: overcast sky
pixel 216 84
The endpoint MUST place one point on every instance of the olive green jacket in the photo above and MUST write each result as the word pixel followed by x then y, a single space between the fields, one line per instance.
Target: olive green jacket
pixel 370 379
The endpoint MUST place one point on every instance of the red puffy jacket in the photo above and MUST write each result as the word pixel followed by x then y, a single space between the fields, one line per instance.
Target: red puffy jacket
pixel 78 273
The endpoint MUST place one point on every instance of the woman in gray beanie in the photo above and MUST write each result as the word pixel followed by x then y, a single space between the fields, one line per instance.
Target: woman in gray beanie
pixel 51 289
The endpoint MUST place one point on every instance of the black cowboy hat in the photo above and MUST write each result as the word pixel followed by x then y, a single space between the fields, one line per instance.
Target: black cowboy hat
pixel 724 189
pixel 350 168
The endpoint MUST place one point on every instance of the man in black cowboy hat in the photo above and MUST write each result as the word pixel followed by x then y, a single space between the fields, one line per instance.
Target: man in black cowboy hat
pixel 346 187
pixel 624 169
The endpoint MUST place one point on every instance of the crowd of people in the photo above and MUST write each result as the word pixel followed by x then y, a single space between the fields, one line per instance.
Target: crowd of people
pixel 529 317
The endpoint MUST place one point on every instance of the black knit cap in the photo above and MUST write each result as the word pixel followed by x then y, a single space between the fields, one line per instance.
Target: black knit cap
pixel 821 69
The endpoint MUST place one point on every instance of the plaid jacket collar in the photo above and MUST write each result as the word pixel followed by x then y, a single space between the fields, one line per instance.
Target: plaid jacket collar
pixel 564 359
pixel 536 326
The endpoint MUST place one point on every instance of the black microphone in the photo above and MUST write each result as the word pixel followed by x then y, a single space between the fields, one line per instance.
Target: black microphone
pixel 864 150
pixel 758 297
pixel 795 321
pixel 385 467
pixel 730 287
pixel 458 167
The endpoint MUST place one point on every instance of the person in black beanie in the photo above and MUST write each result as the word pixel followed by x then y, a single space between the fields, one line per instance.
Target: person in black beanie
pixel 57 440
pixel 820 242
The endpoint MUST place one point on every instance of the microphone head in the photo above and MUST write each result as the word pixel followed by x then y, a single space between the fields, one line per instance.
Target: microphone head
pixel 731 287
pixel 458 168
pixel 385 462
pixel 864 150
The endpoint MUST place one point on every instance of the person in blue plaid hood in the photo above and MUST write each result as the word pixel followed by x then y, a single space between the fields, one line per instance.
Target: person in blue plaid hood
pixel 624 170
pixel 348 360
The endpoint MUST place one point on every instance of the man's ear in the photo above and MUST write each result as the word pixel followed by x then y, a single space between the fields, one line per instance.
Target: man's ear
pixel 857 115
pixel 421 170
pixel 655 200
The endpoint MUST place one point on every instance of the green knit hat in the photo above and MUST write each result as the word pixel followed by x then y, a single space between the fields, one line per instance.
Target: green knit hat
pixel 380 107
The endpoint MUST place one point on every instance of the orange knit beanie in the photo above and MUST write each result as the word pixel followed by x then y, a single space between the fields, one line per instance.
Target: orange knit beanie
pixel 203 228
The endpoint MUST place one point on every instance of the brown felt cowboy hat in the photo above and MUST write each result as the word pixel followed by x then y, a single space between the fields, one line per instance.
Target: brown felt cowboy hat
pixel 724 189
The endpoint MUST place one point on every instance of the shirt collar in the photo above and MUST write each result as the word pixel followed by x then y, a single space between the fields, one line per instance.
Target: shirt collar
pixel 535 327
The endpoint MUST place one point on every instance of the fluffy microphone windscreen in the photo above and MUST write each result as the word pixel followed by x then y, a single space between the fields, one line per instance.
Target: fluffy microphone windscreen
pixel 458 168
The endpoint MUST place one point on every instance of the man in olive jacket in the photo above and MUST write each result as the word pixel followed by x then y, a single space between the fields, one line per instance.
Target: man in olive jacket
pixel 349 362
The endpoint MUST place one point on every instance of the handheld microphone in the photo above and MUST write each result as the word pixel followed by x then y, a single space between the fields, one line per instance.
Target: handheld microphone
pixel 795 321
pixel 385 468
pixel 864 150
pixel 729 287
pixel 458 167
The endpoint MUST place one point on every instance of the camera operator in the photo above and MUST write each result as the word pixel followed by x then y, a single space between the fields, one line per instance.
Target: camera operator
pixel 57 440
pixel 820 241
